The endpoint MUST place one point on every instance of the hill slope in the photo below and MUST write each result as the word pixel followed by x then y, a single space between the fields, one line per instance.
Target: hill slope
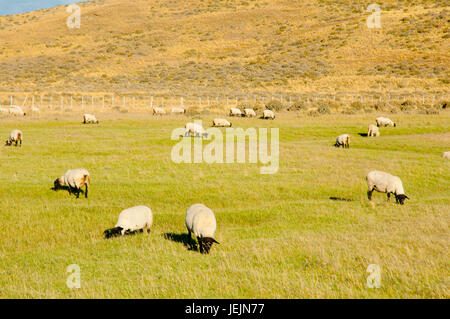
pixel 220 46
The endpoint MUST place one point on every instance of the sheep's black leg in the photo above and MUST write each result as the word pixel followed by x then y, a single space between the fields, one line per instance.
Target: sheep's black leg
pixel 200 244
pixel 77 190
pixel 189 240
pixel 86 191
pixel 369 194
pixel 388 197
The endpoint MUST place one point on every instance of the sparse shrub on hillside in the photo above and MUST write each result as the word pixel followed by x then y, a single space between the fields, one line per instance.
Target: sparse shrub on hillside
pixel 323 109
pixel 357 106
pixel 275 105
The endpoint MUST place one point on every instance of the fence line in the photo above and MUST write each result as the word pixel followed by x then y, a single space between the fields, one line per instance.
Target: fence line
pixel 96 101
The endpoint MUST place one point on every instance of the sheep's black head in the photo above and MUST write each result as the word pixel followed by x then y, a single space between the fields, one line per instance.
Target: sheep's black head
pixel 206 243
pixel 58 183
pixel 395 125
pixel 113 232
pixel 401 198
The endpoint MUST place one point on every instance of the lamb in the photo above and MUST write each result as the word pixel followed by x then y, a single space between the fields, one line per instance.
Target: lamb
pixel 249 112
pixel 158 111
pixel 268 114
pixel 446 155
pixel 16 110
pixel 14 137
pixel 343 140
pixel 385 183
pixel 74 180
pixel 178 110
pixel 221 123
pixel 194 129
pixel 201 221
pixel 130 221
pixel 373 130
pixel 89 118
pixel 384 121
pixel 234 111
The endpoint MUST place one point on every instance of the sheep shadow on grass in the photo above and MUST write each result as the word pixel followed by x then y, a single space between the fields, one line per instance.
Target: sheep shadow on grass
pixel 341 199
pixel 64 188
pixel 362 134
pixel 182 238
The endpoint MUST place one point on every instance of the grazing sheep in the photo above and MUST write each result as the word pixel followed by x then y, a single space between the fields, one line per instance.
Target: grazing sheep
pixel 384 121
pixel 385 183
pixel 131 220
pixel 249 112
pixel 194 129
pixel 343 140
pixel 89 118
pixel 14 137
pixel 178 110
pixel 158 111
pixel 4 110
pixel 373 130
pixel 201 221
pixel 268 114
pixel 221 123
pixel 74 179
pixel 16 111
pixel 446 155
pixel 234 111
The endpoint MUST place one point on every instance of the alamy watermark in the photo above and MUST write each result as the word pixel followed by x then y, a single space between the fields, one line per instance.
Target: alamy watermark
pixel 374 279
pixel 74 20
pixel 74 279
pixel 374 20
pixel 235 146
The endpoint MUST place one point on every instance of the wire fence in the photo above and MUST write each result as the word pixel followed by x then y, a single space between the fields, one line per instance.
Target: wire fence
pixel 106 102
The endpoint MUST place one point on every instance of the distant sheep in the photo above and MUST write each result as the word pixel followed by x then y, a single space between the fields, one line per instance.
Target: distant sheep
pixel 446 155
pixel 16 111
pixel 385 183
pixel 343 140
pixel 74 180
pixel 178 110
pixel 201 221
pixel 384 121
pixel 234 111
pixel 131 220
pixel 373 130
pixel 249 112
pixel 158 111
pixel 89 118
pixel 194 129
pixel 268 114
pixel 221 123
pixel 4 110
pixel 16 137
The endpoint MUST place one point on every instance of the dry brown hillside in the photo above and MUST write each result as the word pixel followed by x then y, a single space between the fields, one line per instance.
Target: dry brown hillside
pixel 225 46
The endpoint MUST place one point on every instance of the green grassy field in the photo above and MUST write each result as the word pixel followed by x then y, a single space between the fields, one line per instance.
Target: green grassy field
pixel 281 235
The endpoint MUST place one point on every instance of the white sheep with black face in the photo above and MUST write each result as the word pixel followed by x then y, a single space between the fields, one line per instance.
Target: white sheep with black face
pixel 234 111
pixel 130 221
pixel 373 131
pixel 158 111
pixel 343 140
pixel 249 112
pixel 16 136
pixel 89 119
pixel 384 121
pixel 201 221
pixel 268 114
pixel 16 111
pixel 177 110
pixel 74 180
pixel 194 129
pixel 385 183
pixel 221 123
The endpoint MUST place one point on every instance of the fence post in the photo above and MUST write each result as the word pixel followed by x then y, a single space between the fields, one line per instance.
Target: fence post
pixel 51 102
pixel 82 102
pixel 62 102
pixel 92 102
pixel 11 100
pixel 151 101
pixel 227 101
pixel 123 101
pixel 181 102
pixel 103 102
